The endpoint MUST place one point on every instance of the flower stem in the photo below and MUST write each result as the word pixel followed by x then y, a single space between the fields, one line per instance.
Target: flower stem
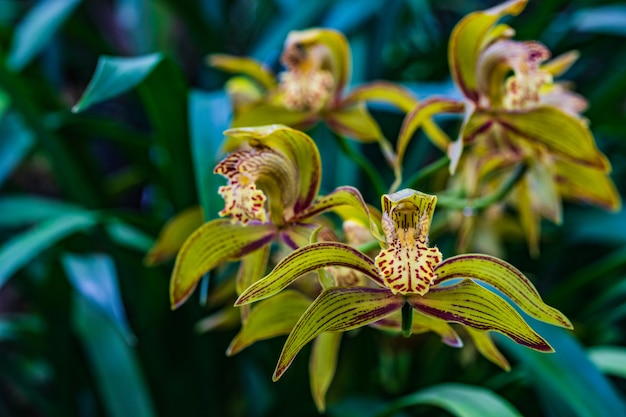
pixel 427 171
pixel 483 202
pixel 407 320
pixel 366 166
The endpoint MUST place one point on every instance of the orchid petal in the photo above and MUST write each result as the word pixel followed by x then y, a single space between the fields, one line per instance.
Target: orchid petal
pixel 251 269
pixel 322 366
pixel 226 318
pixel 307 259
pixel 273 317
pixel 333 48
pixel 545 198
pixel 562 134
pixel 296 145
pixel 487 348
pixel 173 235
pixel 530 218
pixel 337 310
pixel 560 64
pixel 506 278
pixel 213 243
pixel 261 114
pixel 354 121
pixel 383 92
pixel 470 304
pixel 468 40
pixel 421 324
pixel 421 115
pixel 243 65
pixel 589 185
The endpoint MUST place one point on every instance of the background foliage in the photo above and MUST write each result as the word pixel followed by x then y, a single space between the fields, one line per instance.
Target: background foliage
pixel 85 327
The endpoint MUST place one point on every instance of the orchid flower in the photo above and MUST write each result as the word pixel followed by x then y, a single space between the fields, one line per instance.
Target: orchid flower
pixel 273 178
pixel 516 115
pixel 408 274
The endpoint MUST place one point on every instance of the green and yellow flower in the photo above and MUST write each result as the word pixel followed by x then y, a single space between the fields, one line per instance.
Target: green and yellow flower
pixel 273 175
pixel 516 115
pixel 409 277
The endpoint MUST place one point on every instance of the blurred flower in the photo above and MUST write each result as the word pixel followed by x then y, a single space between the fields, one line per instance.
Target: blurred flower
pixel 272 192
pixel 409 274
pixel 516 115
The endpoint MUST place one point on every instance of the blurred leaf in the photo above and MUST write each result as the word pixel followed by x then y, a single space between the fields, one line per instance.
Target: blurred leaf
pixel 95 278
pixel 114 76
pixel 458 399
pixel 567 377
pixel 206 138
pixel 128 236
pixel 597 226
pixel 15 143
pixel 608 19
pixel 37 28
pixel 22 210
pixel 357 407
pixel 14 327
pixel 346 15
pixel 25 247
pixel 113 363
pixel 609 359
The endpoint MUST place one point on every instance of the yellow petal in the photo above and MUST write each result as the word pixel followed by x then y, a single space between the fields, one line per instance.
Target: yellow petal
pixel 487 348
pixel 383 92
pixel 587 185
pixel 322 366
pixel 243 65
pixel 261 113
pixel 354 121
pixel 213 243
pixel 173 235
pixel 251 269
pixel 560 64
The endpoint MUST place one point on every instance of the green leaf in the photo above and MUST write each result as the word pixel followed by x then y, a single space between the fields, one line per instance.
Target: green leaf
pixel 273 317
pixel 337 310
pixel 568 378
pixel 25 247
pixel 213 243
pixel 112 361
pixel 458 399
pixel 129 236
pixel 206 138
pixel 506 278
pixel 95 278
pixel 16 141
pixel 470 304
pixel 24 210
pixel 608 19
pixel 307 259
pixel 609 359
pixel 37 28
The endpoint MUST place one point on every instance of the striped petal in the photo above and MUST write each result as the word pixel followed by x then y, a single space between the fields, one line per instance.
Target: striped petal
pixel 298 147
pixel 588 185
pixel 470 304
pixel 307 259
pixel 273 317
pixel 213 243
pixel 506 278
pixel 337 310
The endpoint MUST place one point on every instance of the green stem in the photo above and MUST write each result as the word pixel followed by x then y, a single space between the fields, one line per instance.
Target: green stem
pixel 368 246
pixel 486 201
pixel 407 320
pixel 427 171
pixel 366 166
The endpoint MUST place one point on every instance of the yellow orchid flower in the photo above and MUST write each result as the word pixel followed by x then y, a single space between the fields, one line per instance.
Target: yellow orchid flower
pixel 271 194
pixel 408 274
pixel 516 115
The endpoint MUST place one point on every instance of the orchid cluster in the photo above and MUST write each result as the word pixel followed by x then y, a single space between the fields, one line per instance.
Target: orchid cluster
pixel 314 266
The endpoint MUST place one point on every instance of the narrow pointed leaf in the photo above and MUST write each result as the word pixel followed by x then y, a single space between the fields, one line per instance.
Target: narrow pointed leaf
pixel 173 235
pixel 549 126
pixel 273 317
pixel 244 65
pixel 307 259
pixel 213 243
pixel 24 210
pixel 322 366
pixel 487 348
pixel 27 246
pixel 422 114
pixel 337 309
pixel 37 28
pixel 609 359
pixel 470 304
pixel 355 122
pixel 383 92
pixel 16 141
pixel 506 278
pixel 459 399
